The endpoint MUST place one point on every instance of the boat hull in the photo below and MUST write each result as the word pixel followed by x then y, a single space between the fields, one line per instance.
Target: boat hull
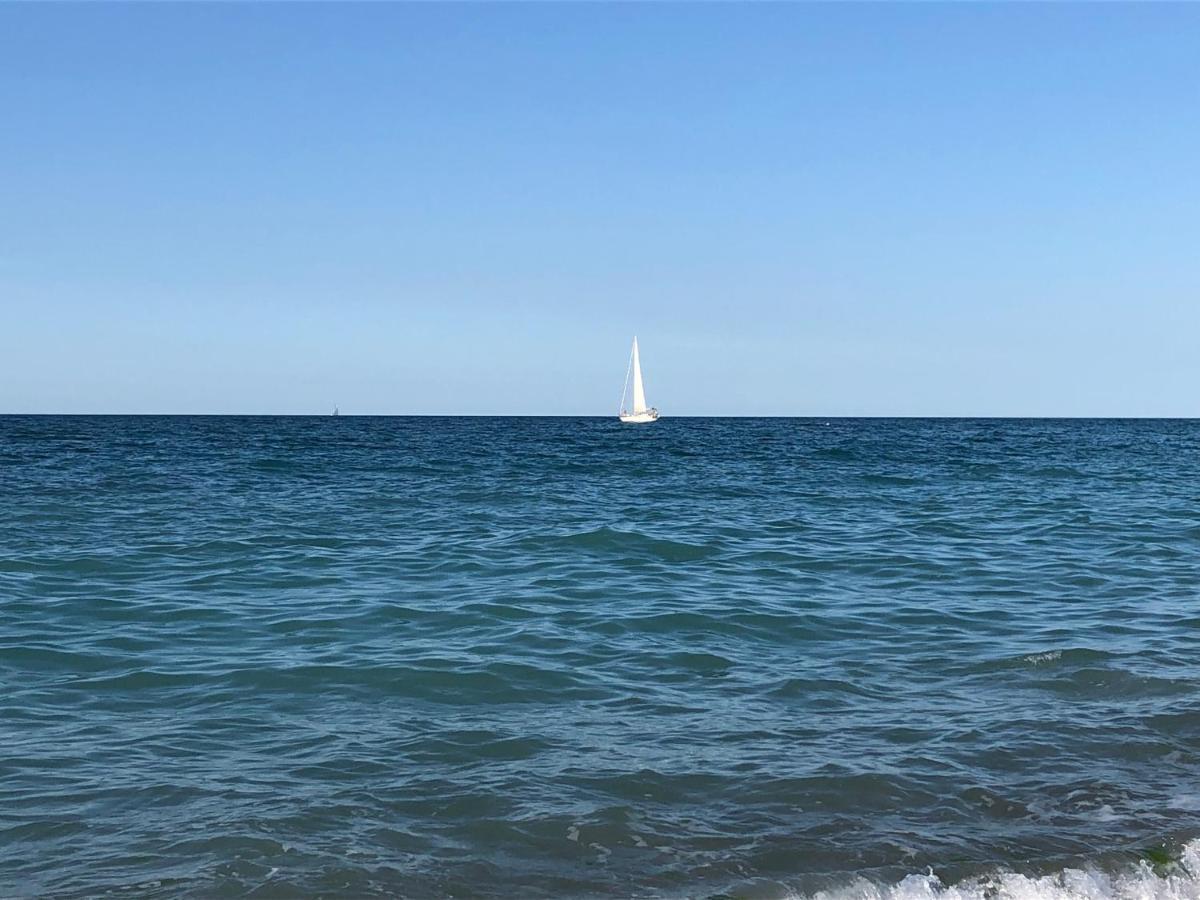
pixel 642 418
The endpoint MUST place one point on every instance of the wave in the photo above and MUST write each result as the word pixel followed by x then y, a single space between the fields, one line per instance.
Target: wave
pixel 1159 875
pixel 1054 658
pixel 605 540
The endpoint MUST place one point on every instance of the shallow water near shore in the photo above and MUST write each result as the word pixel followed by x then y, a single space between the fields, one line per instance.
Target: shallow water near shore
pixel 493 657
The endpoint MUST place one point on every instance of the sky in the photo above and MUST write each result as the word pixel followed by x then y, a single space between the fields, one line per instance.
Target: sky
pixel 831 209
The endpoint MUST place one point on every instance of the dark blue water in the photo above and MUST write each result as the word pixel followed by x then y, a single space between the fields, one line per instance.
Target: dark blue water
pixel 563 657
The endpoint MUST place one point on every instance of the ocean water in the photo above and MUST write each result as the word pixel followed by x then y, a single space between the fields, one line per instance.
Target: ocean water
pixel 734 658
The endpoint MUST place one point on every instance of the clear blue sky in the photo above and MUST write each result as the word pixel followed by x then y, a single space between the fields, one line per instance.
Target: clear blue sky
pixel 809 210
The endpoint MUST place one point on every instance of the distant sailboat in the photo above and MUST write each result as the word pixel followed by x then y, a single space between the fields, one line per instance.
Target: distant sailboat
pixel 640 412
pixel 335 411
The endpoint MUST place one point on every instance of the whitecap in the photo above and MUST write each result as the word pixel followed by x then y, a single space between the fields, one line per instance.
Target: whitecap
pixel 1178 881
pixel 1039 658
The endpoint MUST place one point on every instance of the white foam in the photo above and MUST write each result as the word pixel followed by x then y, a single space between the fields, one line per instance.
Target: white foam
pixel 1180 881
pixel 1039 658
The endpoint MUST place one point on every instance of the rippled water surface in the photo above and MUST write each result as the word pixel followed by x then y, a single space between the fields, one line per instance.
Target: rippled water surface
pixel 562 657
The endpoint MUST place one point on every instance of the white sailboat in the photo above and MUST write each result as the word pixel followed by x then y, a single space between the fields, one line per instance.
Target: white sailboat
pixel 640 412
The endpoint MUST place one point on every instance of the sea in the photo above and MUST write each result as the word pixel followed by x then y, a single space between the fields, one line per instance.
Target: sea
pixel 888 659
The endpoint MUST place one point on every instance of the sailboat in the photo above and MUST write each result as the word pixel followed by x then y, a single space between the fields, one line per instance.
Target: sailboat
pixel 640 412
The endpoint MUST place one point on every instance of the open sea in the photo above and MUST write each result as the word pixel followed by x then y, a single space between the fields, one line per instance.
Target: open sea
pixel 552 657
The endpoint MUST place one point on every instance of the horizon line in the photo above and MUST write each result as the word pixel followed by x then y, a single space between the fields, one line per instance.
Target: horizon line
pixel 269 415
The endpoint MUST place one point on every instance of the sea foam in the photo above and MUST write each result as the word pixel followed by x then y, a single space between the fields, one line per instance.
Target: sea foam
pixel 1178 880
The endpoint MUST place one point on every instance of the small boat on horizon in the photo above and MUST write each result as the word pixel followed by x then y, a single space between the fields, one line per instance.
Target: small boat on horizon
pixel 335 411
pixel 640 413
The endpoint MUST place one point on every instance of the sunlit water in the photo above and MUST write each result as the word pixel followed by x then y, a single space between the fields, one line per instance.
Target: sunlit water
pixel 565 657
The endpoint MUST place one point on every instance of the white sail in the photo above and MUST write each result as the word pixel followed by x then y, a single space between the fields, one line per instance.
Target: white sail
pixel 639 392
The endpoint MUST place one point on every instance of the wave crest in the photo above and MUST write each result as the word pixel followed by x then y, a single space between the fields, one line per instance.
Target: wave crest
pixel 1158 878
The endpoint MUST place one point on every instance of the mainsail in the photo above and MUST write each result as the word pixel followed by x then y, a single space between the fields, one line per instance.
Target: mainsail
pixel 639 392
